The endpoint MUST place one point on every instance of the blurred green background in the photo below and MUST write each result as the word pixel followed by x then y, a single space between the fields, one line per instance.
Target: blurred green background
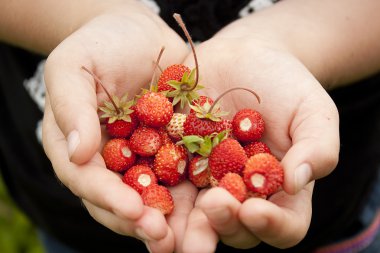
pixel 17 234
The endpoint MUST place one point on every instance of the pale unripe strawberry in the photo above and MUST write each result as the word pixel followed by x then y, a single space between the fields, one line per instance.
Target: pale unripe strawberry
pixel 175 126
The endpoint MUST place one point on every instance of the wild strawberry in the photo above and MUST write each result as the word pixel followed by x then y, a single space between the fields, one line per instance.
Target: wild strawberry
pixel 172 73
pixel 194 125
pixel 247 125
pixel 158 196
pixel 202 101
pixel 170 164
pixel 118 112
pixel 234 183
pixel 145 141
pixel 139 177
pixel 120 128
pixel 183 88
pixel 154 109
pixel 145 160
pixel 263 174
pixel 199 173
pixel 256 147
pixel 227 156
pixel 117 154
pixel 165 138
pixel 175 126
pixel 124 125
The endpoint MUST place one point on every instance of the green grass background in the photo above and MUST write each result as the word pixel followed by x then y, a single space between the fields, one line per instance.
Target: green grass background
pixel 17 234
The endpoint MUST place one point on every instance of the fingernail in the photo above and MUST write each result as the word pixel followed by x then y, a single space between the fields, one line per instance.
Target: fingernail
pixel 302 176
pixel 220 215
pixel 72 142
pixel 142 235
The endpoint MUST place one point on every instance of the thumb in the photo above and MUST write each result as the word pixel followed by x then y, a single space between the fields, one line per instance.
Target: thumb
pixel 73 101
pixel 315 150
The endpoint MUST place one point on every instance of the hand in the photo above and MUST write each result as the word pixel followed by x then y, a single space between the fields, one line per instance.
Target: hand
pixel 301 130
pixel 119 46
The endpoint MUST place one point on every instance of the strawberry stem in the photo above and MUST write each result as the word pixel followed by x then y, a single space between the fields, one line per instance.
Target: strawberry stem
pixel 97 80
pixel 232 89
pixel 180 22
pixel 158 66
pixel 155 67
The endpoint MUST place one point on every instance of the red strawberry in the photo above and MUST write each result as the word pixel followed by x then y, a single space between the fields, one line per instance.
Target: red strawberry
pixel 117 154
pixel 247 125
pixel 175 126
pixel 158 196
pixel 119 112
pixel 170 164
pixel 165 138
pixel 145 160
pixel 121 128
pixel 263 174
pixel 154 109
pixel 256 147
pixel 174 72
pixel 139 177
pixel 197 126
pixel 227 156
pixel 234 183
pixel 202 101
pixel 199 173
pixel 145 141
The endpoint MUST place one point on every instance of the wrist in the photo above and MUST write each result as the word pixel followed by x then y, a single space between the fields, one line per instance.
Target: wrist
pixel 41 25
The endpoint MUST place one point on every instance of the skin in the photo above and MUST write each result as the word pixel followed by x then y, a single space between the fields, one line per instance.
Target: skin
pixel 276 52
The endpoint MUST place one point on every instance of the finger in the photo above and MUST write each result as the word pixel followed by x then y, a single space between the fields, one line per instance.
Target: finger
pixel 91 181
pixel 164 245
pixel 222 209
pixel 74 105
pixel 315 149
pixel 200 237
pixel 184 196
pixel 149 227
pixel 281 222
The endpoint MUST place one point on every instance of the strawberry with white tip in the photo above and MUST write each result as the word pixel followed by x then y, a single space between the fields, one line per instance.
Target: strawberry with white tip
pixel 118 155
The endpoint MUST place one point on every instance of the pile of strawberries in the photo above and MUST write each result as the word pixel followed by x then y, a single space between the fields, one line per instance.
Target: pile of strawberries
pixel 154 147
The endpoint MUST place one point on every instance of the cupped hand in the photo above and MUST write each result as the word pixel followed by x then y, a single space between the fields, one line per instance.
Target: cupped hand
pixel 119 47
pixel 301 129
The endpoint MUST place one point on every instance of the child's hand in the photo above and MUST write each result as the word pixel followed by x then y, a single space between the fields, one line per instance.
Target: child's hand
pixel 301 130
pixel 119 46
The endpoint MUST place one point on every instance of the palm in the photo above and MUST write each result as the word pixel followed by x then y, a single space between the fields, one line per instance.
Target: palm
pixel 300 119
pixel 120 51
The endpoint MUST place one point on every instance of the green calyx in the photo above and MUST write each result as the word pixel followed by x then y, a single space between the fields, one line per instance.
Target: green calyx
pixel 185 90
pixel 203 145
pixel 117 109
pixel 208 111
